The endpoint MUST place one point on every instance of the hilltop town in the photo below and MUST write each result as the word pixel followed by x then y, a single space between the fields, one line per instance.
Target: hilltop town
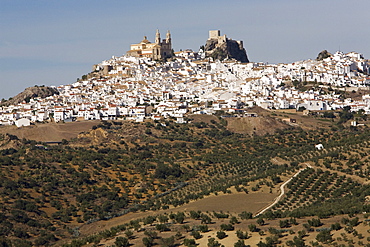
pixel 240 173
pixel 152 81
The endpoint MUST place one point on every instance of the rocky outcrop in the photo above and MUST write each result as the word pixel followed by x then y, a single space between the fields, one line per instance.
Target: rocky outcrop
pixel 324 54
pixel 8 141
pixel 29 93
pixel 226 49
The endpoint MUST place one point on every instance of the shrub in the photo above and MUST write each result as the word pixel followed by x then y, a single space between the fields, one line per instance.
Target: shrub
pixel 241 235
pixel 221 235
pixel 196 234
pixel 240 243
pixel 121 242
pixel 253 228
pixel 227 227
pixel 162 227
pixel 189 242
pixel 245 215
pixel 324 237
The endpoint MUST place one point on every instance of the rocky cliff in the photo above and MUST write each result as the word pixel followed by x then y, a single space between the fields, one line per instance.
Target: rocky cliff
pixel 29 93
pixel 229 49
pixel 323 54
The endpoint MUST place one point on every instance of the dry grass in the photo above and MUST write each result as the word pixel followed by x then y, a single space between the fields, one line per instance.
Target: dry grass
pixel 233 203
pixel 255 125
pixel 50 132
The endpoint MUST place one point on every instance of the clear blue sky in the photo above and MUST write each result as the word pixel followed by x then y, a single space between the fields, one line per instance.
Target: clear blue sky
pixel 53 42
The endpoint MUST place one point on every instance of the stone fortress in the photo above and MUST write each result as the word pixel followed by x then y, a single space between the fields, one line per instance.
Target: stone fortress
pixel 215 34
pixel 221 47
pixel 159 50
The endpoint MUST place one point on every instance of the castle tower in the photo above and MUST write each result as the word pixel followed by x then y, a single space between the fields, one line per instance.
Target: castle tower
pixel 157 37
pixel 214 34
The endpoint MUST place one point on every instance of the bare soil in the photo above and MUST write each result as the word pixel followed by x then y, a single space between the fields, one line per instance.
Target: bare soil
pixel 203 118
pixel 50 132
pixel 305 122
pixel 233 203
pixel 254 125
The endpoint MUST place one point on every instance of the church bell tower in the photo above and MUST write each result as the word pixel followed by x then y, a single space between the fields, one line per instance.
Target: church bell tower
pixel 168 37
pixel 157 37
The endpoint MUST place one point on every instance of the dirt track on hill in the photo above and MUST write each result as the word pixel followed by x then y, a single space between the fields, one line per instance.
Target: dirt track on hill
pixel 282 190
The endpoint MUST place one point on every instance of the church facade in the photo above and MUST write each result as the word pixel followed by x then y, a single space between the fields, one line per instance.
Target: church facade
pixel 160 49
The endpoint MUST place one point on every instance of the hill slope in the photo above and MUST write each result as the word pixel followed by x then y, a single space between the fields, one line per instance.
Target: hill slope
pixel 50 193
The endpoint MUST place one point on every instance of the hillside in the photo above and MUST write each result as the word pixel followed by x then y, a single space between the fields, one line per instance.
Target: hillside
pixel 51 194
pixel 56 132
pixel 267 122
pixel 30 93
pixel 255 125
pixel 49 132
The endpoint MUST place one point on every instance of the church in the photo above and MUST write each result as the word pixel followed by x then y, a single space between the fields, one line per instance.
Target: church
pixel 160 49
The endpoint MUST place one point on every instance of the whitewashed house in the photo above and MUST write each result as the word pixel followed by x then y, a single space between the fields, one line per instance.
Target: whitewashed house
pixel 22 122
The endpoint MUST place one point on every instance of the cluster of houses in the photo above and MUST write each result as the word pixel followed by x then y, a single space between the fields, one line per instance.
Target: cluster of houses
pixel 136 88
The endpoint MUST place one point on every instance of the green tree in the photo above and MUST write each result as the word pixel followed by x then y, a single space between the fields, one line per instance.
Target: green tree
pixel 149 220
pixel 168 242
pixel 252 228
pixel 212 242
pixel 293 221
pixel 162 227
pixel 203 228
pixel 151 234
pixel 227 227
pixel 148 242
pixel 205 219
pixel 284 223
pixel 240 243
pixel 189 242
pixel 314 222
pixel 260 221
pixel 336 226
pixel 221 235
pixel 129 234
pixel 195 214
pixel 163 218
pixel 241 235
pixel 270 241
pixel 180 217
pixel 196 234
pixel 324 237
pixel 234 220
pixel 121 242
pixel 245 215
pixel 296 242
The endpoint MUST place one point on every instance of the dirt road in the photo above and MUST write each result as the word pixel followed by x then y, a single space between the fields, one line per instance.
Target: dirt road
pixel 282 190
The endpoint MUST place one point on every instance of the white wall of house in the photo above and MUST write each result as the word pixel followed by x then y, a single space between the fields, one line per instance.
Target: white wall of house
pixel 23 122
